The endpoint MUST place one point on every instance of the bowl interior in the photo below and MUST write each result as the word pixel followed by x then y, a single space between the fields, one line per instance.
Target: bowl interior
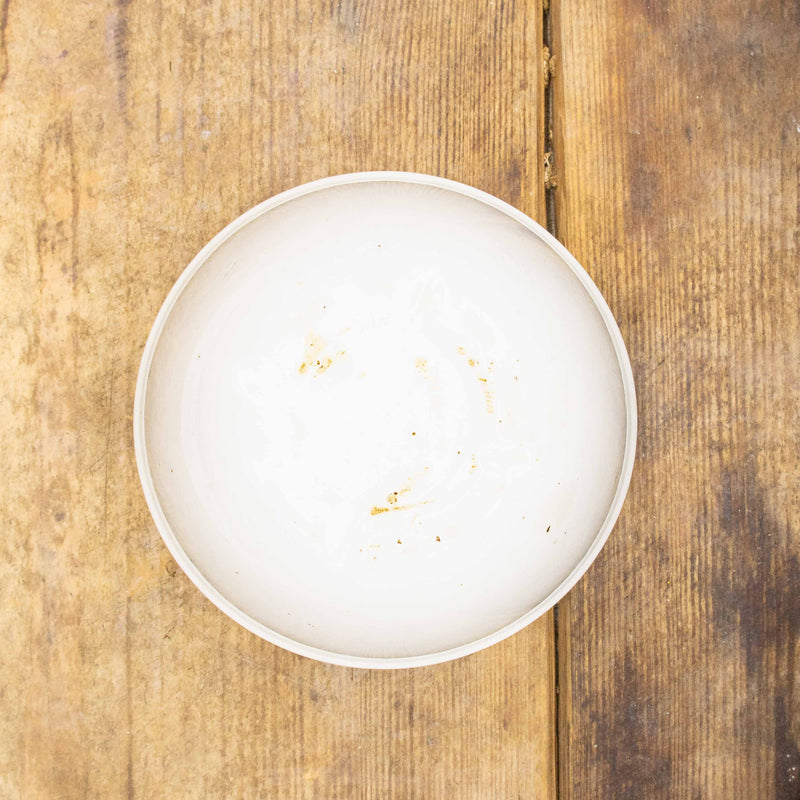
pixel 382 420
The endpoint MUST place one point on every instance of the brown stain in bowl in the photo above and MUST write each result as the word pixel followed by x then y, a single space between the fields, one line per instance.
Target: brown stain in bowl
pixel 488 395
pixel 375 510
pixel 318 357
pixel 393 497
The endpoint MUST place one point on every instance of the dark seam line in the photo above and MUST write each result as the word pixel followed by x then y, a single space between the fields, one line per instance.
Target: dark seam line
pixel 556 705
pixel 552 227
pixel 550 188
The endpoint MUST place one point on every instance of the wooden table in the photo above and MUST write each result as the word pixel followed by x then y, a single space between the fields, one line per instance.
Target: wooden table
pixel 131 131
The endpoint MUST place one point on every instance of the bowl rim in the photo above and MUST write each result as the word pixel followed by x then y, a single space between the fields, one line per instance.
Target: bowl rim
pixel 346 659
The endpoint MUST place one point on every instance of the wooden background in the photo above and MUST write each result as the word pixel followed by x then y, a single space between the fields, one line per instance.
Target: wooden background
pixel 131 131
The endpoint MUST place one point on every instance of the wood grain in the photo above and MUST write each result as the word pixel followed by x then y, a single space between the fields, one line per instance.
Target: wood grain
pixel 678 137
pixel 131 132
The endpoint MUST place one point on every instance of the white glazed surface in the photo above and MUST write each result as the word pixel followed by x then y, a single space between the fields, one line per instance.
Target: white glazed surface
pixel 375 334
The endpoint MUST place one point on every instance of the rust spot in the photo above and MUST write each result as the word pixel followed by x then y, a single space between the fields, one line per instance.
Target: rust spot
pixel 489 398
pixel 474 465
pixel 472 362
pixel 399 542
pixel 378 510
pixel 438 539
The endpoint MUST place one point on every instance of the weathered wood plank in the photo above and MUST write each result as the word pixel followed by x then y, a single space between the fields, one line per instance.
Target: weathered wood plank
pixel 678 138
pixel 130 133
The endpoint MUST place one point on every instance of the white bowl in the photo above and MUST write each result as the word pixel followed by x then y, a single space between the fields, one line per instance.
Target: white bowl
pixel 384 420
